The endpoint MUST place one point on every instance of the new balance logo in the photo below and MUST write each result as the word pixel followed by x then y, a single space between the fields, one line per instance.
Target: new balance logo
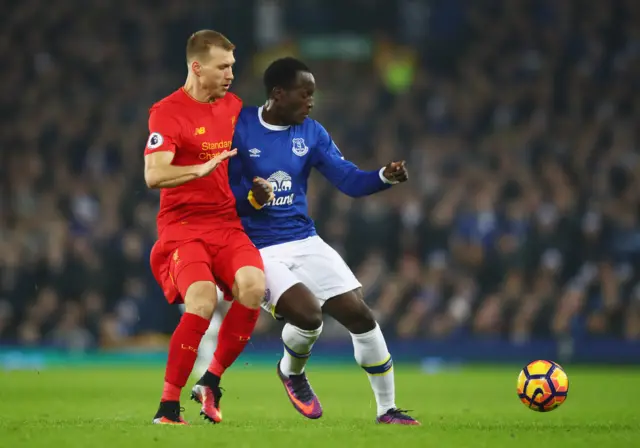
pixel 255 152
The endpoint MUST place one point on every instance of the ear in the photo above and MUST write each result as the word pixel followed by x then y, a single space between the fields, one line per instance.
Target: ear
pixel 196 68
pixel 277 93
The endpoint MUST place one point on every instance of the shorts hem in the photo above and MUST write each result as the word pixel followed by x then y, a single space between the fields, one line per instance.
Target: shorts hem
pixel 330 294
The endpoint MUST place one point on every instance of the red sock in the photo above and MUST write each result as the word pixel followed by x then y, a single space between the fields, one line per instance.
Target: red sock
pixel 171 392
pixel 233 336
pixel 183 351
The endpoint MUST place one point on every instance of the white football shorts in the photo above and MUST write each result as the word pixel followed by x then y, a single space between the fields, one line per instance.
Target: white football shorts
pixel 310 261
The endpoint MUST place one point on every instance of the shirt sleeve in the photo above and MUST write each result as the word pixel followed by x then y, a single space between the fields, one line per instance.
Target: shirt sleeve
pixel 164 132
pixel 343 174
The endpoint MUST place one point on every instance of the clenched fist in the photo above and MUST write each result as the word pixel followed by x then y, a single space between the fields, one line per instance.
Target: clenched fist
pixel 396 172
pixel 262 191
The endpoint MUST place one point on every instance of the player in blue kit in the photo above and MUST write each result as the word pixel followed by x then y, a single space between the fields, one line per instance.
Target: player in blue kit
pixel 278 142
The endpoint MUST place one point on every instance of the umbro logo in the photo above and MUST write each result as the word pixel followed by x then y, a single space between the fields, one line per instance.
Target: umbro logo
pixel 255 152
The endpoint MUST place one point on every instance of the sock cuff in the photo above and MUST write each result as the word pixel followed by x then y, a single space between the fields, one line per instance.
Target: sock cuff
pixel 368 335
pixel 308 333
pixel 198 323
pixel 309 337
pixel 379 368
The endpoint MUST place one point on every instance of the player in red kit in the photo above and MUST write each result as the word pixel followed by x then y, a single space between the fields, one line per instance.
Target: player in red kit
pixel 201 241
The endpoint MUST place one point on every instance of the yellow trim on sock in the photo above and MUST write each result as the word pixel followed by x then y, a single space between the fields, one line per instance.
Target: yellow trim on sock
pixel 377 364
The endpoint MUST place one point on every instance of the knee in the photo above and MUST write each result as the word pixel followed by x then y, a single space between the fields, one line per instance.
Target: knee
pixel 201 299
pixel 362 319
pixel 310 320
pixel 300 307
pixel 363 323
pixel 251 295
pixel 250 287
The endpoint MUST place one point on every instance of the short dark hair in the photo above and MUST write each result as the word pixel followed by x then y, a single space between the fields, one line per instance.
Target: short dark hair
pixel 200 42
pixel 282 73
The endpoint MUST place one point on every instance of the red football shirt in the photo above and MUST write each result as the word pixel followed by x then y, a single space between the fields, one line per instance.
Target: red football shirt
pixel 195 132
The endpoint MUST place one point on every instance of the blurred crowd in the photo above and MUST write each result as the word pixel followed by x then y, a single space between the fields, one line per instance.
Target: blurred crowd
pixel 519 120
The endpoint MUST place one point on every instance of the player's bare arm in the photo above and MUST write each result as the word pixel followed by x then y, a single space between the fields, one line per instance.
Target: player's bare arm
pixel 160 173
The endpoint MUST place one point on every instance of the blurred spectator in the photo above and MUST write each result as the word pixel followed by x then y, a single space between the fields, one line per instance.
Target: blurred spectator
pixel 519 120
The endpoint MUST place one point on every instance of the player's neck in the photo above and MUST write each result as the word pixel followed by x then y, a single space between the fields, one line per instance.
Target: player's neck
pixel 270 116
pixel 193 89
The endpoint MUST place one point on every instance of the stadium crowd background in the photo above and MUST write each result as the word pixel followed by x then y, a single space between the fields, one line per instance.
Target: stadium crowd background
pixel 519 121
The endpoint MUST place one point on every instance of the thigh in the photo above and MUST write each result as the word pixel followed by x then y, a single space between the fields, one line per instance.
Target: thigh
pixel 159 263
pixel 323 270
pixel 231 252
pixel 279 279
pixel 189 263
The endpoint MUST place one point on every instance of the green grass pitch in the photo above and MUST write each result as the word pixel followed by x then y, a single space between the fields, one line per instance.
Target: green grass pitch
pixel 472 407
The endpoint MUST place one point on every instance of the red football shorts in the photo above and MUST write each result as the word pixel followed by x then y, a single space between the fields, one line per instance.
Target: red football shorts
pixel 215 257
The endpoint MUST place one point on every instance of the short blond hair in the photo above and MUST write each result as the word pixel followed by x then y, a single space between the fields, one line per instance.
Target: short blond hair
pixel 200 42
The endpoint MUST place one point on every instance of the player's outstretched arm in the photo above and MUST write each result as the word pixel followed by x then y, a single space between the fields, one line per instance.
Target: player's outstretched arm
pixel 354 182
pixel 347 177
pixel 160 173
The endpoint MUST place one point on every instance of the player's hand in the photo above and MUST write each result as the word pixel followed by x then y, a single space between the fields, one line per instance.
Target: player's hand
pixel 206 168
pixel 262 191
pixel 396 172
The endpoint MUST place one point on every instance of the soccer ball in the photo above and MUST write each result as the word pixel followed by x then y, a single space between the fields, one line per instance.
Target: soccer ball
pixel 543 386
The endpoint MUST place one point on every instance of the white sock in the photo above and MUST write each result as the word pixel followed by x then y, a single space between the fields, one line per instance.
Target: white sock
pixel 297 348
pixel 370 351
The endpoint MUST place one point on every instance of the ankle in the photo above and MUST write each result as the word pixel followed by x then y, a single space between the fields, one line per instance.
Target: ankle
pixel 210 379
